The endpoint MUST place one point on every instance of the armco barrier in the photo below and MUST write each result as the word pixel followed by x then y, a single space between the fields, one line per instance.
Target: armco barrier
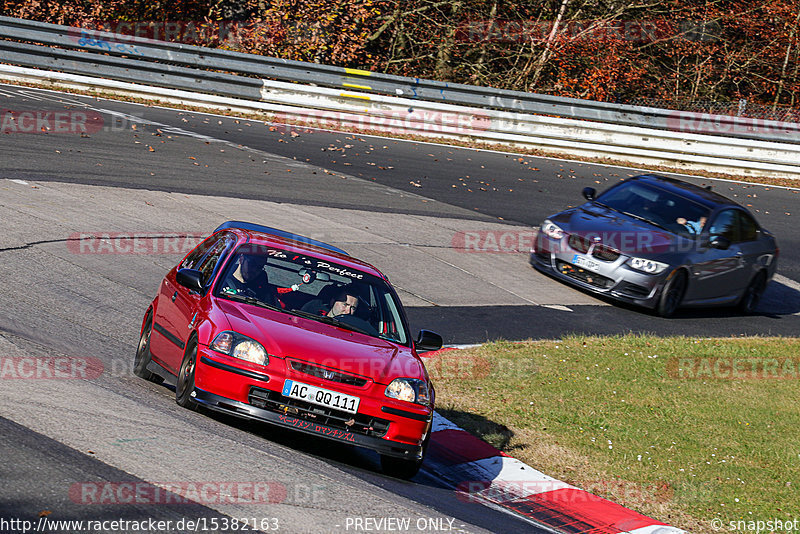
pixel 146 50
pixel 681 140
pixel 333 109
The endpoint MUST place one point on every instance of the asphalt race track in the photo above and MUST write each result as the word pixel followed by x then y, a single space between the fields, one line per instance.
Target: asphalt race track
pixel 406 207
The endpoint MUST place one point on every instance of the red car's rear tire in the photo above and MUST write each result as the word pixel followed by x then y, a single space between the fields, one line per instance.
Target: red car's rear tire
pixel 143 356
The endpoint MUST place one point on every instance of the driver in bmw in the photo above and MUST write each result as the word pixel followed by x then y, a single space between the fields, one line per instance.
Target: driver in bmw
pixel 694 227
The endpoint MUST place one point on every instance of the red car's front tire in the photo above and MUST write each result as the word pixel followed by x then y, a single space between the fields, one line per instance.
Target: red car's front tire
pixel 401 467
pixel 185 385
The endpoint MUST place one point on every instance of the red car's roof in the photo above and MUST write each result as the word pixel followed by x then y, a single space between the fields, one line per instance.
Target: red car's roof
pixel 259 238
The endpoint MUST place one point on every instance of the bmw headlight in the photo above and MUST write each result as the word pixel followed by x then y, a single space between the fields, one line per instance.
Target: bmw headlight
pixel 239 346
pixel 409 390
pixel 552 230
pixel 647 266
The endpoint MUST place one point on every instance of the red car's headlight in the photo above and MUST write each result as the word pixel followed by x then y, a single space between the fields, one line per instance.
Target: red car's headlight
pixel 409 390
pixel 239 346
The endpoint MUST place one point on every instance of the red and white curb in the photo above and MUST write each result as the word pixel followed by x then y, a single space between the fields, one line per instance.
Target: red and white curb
pixel 483 474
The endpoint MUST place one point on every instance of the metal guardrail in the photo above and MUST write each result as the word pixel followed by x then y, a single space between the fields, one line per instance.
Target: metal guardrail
pixel 130 70
pixel 304 108
pixel 135 59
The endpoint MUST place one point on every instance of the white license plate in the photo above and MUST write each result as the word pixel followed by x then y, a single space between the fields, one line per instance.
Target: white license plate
pixel 586 263
pixel 320 396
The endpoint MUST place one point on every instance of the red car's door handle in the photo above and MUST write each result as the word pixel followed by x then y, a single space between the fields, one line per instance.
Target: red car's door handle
pixel 174 296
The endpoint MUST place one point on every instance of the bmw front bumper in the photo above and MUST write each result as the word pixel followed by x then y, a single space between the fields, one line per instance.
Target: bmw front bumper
pixel 613 279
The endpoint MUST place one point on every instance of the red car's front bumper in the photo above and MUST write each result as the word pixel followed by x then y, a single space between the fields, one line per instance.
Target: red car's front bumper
pixel 391 428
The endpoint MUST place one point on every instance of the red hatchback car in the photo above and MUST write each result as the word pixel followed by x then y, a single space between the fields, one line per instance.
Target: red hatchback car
pixel 271 326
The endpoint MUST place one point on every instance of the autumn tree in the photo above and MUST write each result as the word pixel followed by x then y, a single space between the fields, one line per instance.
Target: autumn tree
pixel 664 51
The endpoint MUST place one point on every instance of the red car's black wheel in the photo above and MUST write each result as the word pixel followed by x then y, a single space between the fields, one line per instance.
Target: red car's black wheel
pixel 402 468
pixel 143 356
pixel 185 386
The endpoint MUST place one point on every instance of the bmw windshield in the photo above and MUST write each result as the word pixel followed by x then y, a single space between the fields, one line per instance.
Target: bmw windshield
pixel 656 206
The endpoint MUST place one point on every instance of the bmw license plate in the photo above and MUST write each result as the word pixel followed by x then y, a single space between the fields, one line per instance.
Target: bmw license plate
pixel 586 263
pixel 320 396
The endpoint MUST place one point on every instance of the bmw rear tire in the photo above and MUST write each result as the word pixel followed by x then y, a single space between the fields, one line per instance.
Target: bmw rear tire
pixel 752 295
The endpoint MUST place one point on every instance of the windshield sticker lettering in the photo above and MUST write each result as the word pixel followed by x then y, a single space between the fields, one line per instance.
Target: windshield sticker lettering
pixel 341 271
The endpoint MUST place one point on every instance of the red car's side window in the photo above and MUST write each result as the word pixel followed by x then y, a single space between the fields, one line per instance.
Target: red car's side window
pixel 207 266
pixel 206 257
pixel 194 257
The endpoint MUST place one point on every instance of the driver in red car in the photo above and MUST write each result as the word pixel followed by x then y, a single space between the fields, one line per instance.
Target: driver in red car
pixel 250 279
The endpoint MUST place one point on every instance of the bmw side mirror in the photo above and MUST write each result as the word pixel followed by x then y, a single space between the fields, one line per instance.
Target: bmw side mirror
pixel 190 279
pixel 428 341
pixel 589 193
pixel 717 241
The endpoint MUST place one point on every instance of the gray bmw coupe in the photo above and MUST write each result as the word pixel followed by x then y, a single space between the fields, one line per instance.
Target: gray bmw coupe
pixel 660 243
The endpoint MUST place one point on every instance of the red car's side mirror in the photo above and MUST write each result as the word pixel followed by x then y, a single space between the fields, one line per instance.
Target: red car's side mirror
pixel 428 341
pixel 190 279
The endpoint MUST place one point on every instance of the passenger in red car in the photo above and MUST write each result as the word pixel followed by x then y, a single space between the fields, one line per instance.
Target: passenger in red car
pixel 250 279
pixel 344 302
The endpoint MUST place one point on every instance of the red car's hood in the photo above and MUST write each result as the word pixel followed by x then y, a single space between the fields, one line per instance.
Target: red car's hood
pixel 288 336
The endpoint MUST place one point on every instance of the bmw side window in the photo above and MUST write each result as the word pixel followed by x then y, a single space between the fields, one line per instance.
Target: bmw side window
pixel 726 225
pixel 747 227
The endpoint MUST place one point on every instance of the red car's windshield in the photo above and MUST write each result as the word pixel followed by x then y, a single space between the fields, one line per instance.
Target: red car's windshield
pixel 318 289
